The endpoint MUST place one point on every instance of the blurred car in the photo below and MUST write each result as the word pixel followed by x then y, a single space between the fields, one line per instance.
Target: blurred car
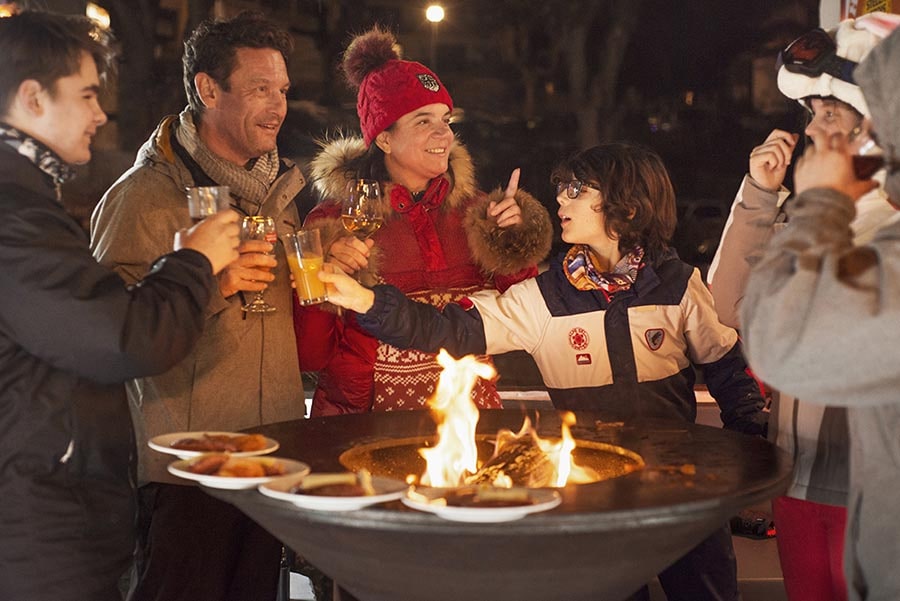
pixel 700 225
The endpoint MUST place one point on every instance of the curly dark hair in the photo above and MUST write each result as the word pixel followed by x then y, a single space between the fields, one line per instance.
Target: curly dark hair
pixel 46 47
pixel 638 200
pixel 212 49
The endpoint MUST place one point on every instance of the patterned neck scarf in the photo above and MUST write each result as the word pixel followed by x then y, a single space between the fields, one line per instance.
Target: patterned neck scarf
pixel 249 184
pixel 45 159
pixel 580 267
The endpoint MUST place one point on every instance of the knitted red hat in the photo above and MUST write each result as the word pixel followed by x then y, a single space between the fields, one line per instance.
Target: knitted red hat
pixel 388 87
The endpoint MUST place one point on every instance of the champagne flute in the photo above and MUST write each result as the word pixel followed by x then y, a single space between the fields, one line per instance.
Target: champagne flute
pixel 361 213
pixel 258 227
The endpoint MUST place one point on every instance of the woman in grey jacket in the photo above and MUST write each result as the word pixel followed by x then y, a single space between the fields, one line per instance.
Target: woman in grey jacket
pixel 819 317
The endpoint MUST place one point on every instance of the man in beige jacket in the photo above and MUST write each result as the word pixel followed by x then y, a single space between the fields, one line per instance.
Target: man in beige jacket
pixel 244 371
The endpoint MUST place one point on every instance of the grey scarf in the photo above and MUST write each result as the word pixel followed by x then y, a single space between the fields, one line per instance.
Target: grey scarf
pixel 251 185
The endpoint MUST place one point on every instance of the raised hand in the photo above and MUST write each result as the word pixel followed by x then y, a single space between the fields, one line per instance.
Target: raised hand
pixel 344 291
pixel 769 161
pixel 216 237
pixel 507 212
pixel 828 164
pixel 350 253
pixel 251 272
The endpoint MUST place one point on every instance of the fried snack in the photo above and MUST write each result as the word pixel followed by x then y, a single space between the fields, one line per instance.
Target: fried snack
pixel 242 468
pixel 487 496
pixel 208 464
pixel 347 484
pixel 251 442
pixel 225 466
pixel 274 468
pixel 222 443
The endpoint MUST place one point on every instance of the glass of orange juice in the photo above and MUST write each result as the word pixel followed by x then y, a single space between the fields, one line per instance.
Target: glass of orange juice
pixel 305 258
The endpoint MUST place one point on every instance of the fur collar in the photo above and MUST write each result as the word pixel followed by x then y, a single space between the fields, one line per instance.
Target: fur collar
pixel 330 173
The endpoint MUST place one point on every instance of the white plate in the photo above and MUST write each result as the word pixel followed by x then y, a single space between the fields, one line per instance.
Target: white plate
pixel 291 467
pixel 424 499
pixel 386 489
pixel 163 444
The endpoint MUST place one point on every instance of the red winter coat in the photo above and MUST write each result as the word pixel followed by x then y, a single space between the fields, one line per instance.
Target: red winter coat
pixel 436 250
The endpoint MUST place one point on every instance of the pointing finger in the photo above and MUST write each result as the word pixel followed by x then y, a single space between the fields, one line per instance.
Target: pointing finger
pixel 513 185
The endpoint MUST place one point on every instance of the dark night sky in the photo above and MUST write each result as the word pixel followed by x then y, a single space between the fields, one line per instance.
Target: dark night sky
pixel 689 44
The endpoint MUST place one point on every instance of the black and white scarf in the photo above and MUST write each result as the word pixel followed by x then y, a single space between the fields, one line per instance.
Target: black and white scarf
pixel 38 153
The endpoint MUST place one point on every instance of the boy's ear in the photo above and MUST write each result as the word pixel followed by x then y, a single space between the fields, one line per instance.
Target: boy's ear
pixel 30 97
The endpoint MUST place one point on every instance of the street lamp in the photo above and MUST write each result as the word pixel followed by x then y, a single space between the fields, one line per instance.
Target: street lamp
pixel 435 14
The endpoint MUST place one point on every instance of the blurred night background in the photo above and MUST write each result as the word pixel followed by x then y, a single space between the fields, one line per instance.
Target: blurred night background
pixel 532 80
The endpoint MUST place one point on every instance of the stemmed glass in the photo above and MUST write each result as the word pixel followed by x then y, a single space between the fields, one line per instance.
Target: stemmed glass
pixel 258 227
pixel 361 213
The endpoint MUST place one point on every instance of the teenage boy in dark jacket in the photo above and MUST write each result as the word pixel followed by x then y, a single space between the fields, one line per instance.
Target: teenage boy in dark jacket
pixel 70 330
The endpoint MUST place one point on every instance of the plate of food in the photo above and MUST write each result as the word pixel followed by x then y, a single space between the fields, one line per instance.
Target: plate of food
pixel 224 470
pixel 194 444
pixel 341 491
pixel 482 503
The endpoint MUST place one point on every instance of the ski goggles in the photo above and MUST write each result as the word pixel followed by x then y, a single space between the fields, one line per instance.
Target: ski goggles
pixel 814 54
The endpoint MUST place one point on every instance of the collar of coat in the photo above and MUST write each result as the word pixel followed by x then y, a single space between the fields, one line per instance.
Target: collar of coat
pixel 158 149
pixel 330 173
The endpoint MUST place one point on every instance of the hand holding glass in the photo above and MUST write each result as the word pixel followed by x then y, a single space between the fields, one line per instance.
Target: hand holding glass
pixel 868 157
pixel 305 258
pixel 204 201
pixel 258 227
pixel 361 213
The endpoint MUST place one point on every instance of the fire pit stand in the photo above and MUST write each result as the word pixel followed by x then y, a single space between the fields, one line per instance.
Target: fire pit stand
pixel 604 541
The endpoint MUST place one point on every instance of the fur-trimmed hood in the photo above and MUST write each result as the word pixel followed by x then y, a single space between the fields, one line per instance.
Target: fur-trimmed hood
pixel 330 172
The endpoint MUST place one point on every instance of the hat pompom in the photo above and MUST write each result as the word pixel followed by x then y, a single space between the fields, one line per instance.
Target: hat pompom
pixel 368 52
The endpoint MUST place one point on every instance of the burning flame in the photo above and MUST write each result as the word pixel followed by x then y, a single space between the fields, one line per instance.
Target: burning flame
pixel 456 454
pixel 560 454
pixel 454 460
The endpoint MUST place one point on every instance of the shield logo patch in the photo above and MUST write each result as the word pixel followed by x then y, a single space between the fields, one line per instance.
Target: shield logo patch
pixel 655 338
pixel 428 82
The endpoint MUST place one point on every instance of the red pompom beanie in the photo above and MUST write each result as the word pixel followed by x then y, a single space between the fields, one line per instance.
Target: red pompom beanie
pixel 388 87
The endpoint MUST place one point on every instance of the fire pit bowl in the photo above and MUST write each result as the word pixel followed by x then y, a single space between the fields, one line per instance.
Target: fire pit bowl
pixel 602 542
pixel 396 459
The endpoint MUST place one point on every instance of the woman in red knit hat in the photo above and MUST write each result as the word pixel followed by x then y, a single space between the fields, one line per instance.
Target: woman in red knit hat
pixel 442 237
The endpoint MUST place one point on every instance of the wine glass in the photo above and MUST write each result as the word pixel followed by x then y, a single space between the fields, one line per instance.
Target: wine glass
pixel 258 227
pixel 361 213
